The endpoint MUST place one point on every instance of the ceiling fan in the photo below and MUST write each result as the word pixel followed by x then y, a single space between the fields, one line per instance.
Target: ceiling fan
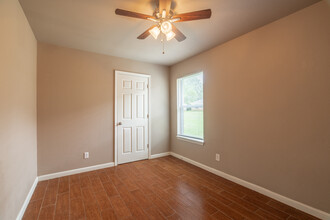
pixel 164 17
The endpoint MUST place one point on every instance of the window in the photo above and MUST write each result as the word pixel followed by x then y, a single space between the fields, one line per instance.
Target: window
pixel 190 108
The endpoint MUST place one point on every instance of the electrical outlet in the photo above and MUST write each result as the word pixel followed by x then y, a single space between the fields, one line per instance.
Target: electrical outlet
pixel 217 157
pixel 86 155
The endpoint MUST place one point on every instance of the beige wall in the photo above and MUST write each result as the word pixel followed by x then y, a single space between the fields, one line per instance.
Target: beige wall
pixel 75 107
pixel 267 105
pixel 18 118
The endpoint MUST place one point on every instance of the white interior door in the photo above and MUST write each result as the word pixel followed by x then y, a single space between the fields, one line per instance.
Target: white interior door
pixel 132 117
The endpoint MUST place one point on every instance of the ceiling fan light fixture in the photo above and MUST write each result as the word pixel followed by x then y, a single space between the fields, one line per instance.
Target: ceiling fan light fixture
pixel 166 27
pixel 170 35
pixel 164 16
pixel 155 32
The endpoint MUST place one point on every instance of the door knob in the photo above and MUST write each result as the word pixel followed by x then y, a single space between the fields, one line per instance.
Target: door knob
pixel 119 123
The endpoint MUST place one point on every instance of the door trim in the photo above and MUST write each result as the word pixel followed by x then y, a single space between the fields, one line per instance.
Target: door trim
pixel 117 72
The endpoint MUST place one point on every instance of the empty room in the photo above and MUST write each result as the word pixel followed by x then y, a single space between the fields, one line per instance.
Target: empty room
pixel 164 109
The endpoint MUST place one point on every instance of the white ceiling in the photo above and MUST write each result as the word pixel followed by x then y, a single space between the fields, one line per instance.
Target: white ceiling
pixel 92 25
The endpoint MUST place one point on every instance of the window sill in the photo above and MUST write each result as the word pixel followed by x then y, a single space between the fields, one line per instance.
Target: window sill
pixel 191 140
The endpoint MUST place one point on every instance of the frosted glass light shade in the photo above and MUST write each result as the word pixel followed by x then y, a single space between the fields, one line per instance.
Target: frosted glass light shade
pixel 155 32
pixel 170 35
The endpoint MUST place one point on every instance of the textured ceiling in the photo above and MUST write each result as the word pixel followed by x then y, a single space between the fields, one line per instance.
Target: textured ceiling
pixel 92 25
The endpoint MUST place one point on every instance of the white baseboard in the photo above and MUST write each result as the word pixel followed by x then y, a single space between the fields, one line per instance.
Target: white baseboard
pixel 159 155
pixel 75 171
pixel 298 205
pixel 27 200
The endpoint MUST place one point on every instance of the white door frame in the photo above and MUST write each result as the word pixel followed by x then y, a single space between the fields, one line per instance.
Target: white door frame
pixel 117 72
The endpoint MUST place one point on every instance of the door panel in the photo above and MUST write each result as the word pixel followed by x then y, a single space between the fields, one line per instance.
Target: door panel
pixel 127 84
pixel 140 85
pixel 140 139
pixel 132 117
pixel 127 140
pixel 127 106
pixel 140 105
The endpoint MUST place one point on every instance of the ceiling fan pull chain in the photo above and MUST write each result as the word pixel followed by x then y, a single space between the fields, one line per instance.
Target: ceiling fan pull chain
pixel 163 47
pixel 162 40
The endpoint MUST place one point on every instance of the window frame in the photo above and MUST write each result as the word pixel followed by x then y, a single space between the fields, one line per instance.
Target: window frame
pixel 180 135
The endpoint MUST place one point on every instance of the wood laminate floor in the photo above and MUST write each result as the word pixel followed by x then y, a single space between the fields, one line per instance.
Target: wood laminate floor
pixel 163 188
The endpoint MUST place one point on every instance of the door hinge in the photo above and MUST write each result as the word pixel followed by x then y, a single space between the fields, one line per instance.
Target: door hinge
pixel 147 115
pixel 148 146
pixel 147 86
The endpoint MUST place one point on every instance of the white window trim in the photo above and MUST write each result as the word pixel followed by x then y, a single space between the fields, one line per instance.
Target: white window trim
pixel 191 140
pixel 179 92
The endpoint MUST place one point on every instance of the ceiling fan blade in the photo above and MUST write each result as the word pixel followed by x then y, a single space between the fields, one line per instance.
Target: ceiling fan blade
pixel 178 34
pixel 145 34
pixel 196 15
pixel 165 4
pixel 131 14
